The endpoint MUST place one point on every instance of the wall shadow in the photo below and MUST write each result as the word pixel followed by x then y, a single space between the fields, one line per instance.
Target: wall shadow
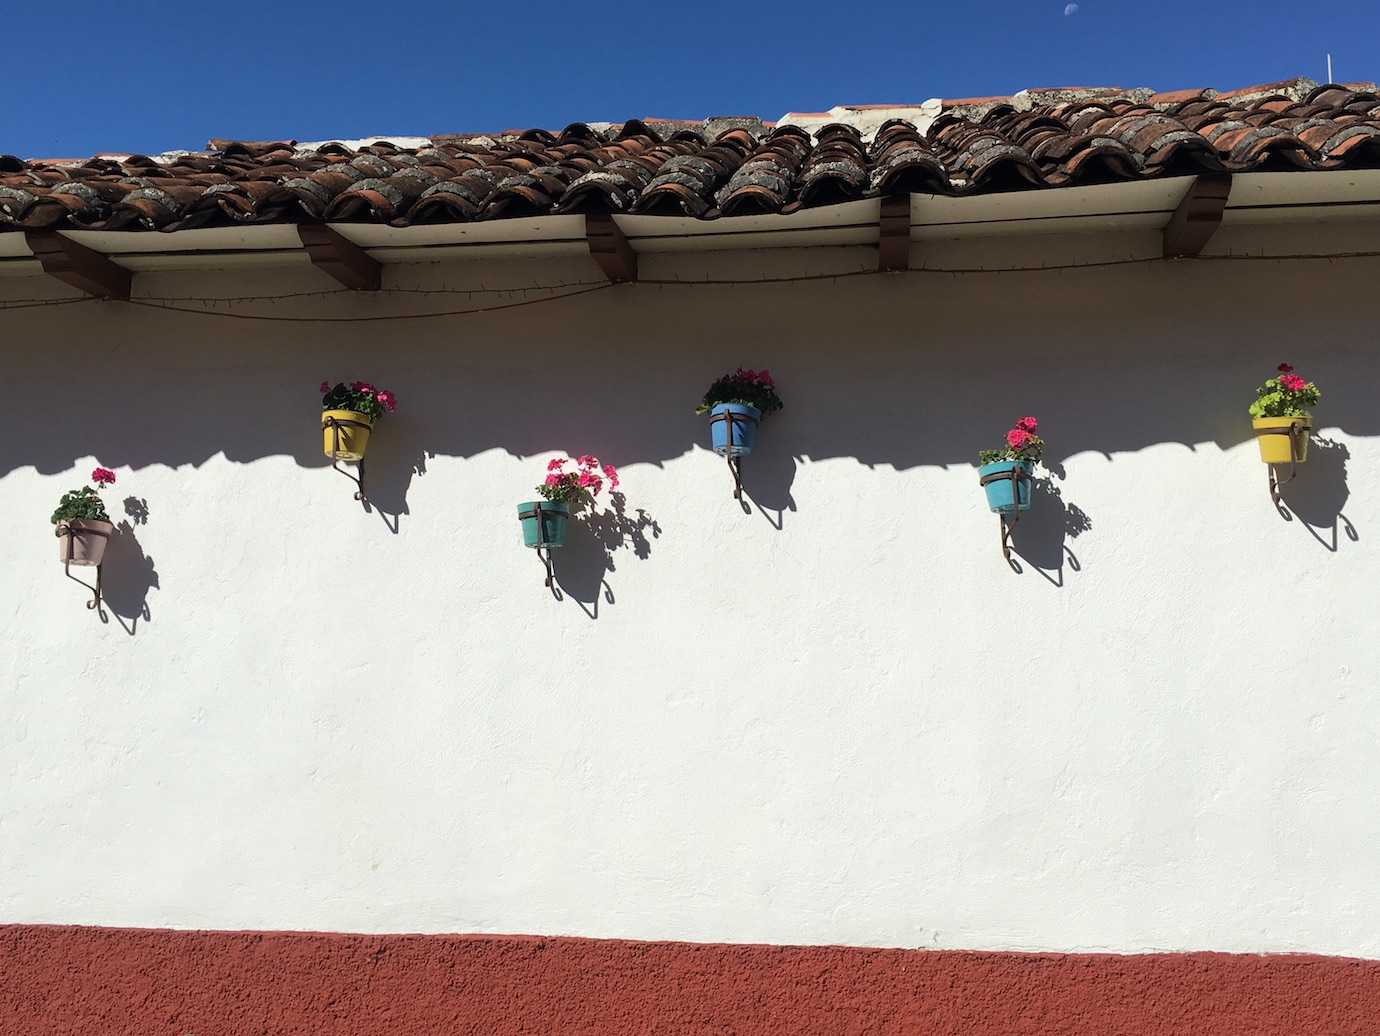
pixel 898 372
pixel 592 544
pixel 1319 491
pixel 1041 537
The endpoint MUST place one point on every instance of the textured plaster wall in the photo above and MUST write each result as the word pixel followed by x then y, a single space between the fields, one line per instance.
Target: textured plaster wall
pixel 841 718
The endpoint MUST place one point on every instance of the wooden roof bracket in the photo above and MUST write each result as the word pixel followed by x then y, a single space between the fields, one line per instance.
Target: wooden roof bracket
pixel 893 234
pixel 609 248
pixel 1198 216
pixel 336 256
pixel 81 267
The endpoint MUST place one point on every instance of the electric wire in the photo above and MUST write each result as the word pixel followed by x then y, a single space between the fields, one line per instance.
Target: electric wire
pixel 577 288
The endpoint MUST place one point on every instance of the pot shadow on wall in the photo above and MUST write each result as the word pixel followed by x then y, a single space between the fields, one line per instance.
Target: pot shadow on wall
pixel 1040 538
pixel 767 474
pixel 396 454
pixel 1318 492
pixel 127 573
pixel 591 550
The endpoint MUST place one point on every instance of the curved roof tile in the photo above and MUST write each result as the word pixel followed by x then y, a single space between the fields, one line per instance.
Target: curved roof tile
pixel 725 165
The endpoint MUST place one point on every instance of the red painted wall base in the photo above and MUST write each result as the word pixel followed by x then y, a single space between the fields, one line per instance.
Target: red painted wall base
pixel 116 981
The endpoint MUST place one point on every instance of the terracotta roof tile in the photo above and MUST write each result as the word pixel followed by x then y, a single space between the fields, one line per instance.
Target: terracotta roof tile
pixel 724 165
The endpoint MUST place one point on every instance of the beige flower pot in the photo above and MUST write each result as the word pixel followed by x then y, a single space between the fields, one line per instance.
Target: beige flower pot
pixel 85 538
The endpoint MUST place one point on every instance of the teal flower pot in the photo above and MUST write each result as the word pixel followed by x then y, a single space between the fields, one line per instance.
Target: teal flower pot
pixel 554 520
pixel 1002 496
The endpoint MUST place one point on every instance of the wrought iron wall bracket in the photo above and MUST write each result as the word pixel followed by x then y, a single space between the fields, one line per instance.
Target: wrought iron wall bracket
pixel 335 424
pixel 358 480
pixel 1006 531
pixel 735 461
pixel 543 548
pixel 1007 528
pixel 735 468
pixel 1297 434
pixel 96 593
pixel 1276 485
pixel 95 602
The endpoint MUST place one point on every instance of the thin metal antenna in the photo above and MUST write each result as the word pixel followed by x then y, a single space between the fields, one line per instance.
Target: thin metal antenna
pixel 1329 69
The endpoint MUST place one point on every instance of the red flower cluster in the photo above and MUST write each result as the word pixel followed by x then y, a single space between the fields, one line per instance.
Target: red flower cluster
pixel 1292 382
pixel 1285 368
pixel 762 376
pixel 588 477
pixel 103 477
pixel 1022 433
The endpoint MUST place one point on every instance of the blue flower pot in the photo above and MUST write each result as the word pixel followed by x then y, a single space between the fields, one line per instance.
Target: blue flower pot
pixel 555 519
pixel 745 421
pixel 999 491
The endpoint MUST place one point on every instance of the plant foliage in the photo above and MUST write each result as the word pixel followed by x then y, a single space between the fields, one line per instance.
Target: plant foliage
pixel 1285 395
pixel 750 388
pixel 1021 444
pixel 358 397
pixel 85 503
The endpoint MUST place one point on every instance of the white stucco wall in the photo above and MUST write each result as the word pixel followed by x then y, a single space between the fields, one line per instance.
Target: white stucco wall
pixel 858 727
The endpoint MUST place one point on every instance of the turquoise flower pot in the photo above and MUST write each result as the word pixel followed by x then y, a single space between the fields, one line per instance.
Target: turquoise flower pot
pixel 999 490
pixel 745 421
pixel 555 519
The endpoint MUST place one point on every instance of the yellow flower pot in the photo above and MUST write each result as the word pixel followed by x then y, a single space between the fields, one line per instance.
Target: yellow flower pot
pixel 345 434
pixel 1277 446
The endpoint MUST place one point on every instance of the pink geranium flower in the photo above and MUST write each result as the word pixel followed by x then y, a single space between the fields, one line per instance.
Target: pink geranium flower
pixel 580 486
pixel 1285 368
pixel 1017 437
pixel 1293 382
pixel 387 400
pixel 1028 424
pixel 325 387
pixel 103 477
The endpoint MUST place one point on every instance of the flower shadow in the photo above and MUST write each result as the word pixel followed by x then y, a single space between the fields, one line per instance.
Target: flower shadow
pixel 1319 491
pixel 1041 537
pixel 589 556
pixel 127 573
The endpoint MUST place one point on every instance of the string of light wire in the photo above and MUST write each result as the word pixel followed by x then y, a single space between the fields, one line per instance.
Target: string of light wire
pixel 195 305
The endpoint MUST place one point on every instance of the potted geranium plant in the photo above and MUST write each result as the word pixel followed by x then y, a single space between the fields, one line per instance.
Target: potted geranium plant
pixel 736 404
pixel 1005 474
pixel 1280 416
pixel 82 525
pixel 348 413
pixel 569 486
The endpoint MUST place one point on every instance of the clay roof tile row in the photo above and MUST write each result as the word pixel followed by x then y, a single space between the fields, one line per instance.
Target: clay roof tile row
pixel 725 166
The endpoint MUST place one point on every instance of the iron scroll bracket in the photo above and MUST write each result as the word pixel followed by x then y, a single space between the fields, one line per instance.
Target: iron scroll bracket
pixel 1007 528
pixel 1297 433
pixel 96 591
pixel 543 548
pixel 335 424
pixel 735 461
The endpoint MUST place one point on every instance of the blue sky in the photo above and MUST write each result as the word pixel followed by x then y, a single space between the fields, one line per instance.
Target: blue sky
pixel 159 75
